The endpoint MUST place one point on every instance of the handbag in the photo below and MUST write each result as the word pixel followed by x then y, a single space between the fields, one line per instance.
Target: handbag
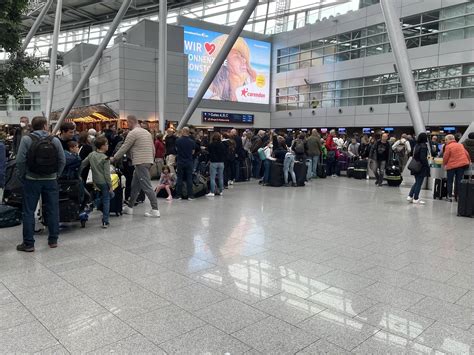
pixel 415 166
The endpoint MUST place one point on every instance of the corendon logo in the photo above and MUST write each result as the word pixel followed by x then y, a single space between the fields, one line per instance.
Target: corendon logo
pixel 246 93
pixel 210 47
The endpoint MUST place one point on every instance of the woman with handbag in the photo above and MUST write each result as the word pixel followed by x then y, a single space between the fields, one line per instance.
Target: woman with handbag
pixel 419 167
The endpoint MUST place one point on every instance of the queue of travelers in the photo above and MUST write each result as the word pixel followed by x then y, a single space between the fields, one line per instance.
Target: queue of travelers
pixel 226 157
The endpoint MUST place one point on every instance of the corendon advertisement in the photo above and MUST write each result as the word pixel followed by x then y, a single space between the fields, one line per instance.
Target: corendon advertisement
pixel 244 76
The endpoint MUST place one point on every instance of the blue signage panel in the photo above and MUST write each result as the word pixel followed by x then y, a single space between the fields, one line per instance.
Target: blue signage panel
pixel 341 130
pixel 449 129
pixel 388 129
pixel 224 117
pixel 366 130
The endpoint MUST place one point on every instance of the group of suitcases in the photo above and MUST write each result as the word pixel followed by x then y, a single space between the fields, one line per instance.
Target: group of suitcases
pixel 277 177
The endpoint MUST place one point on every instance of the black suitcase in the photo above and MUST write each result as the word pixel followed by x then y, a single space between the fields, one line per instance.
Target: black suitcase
pixel 440 190
pixel 13 191
pixel 116 204
pixel 466 198
pixel 360 169
pixel 276 174
pixel 321 170
pixel 350 170
pixel 200 186
pixel 393 175
pixel 9 216
pixel 245 169
pixel 300 171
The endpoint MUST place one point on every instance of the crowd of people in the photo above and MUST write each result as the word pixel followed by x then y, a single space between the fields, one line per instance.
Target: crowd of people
pixel 225 158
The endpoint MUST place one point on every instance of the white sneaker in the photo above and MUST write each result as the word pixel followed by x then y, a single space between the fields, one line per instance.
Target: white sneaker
pixel 419 202
pixel 153 213
pixel 127 210
pixel 410 199
pixel 211 194
pixel 231 182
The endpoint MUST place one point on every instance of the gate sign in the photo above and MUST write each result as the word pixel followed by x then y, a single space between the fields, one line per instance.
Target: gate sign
pixel 223 117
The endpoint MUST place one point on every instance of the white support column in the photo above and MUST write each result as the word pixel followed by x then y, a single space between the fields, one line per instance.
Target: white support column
pixel 53 59
pixel 95 59
pixel 162 64
pixel 400 52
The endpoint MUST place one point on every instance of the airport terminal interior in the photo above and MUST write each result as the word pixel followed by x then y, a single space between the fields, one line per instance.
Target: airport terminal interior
pixel 309 165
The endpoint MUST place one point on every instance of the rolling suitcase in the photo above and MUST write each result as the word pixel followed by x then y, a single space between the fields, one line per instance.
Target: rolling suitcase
pixel 13 191
pixel 466 198
pixel 342 163
pixel 276 174
pixel 350 170
pixel 321 170
pixel 245 169
pixel 440 189
pixel 360 169
pixel 300 170
pixel 9 216
pixel 200 187
pixel 393 176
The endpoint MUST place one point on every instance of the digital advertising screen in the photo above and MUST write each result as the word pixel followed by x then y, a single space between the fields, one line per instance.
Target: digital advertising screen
pixel 244 76
pixel 223 117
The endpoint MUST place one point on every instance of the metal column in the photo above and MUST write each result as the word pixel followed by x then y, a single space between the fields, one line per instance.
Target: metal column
pixel 53 59
pixel 400 52
pixel 216 65
pixel 95 59
pixel 162 63
pixel 36 25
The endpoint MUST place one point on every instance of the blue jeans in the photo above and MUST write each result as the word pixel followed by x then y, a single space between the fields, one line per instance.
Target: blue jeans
pixel 314 166
pixel 185 172
pixel 217 169
pixel 331 167
pixel 267 163
pixel 416 188
pixel 49 191
pixel 256 166
pixel 288 165
pixel 105 197
pixel 453 174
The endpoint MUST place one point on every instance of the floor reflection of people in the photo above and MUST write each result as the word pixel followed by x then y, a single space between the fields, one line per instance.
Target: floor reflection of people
pixel 234 73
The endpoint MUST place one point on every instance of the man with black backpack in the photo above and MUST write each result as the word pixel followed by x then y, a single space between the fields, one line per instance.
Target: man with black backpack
pixel 40 160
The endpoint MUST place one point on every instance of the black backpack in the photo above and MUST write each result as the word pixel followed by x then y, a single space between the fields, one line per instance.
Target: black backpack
pixel 299 147
pixel 42 157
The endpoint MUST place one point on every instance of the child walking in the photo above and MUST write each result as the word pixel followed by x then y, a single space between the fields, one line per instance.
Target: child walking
pixel 167 181
pixel 100 167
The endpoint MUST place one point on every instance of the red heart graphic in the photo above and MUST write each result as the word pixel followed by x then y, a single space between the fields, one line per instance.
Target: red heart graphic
pixel 210 47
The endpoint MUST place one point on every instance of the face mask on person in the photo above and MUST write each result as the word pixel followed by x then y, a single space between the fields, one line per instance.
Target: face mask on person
pixel 22 124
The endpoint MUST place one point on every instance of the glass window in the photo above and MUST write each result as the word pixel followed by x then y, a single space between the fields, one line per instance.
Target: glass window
pixel 375 40
pixel 355 101
pixel 329 50
pixel 293 66
pixel 372 80
pixel 373 100
pixel 330 85
pixel 453 11
pixel 342 103
pixel 294 58
pixel 283 60
pixel 452 35
pixel 448 94
pixel 344 93
pixel 305 55
pixel 329 59
pixel 359 33
pixel 317 53
pixel 354 83
pixel 449 83
pixel 318 43
pixel 358 53
pixel 305 64
pixel 427 96
pixel 343 46
pixel 429 40
pixel 284 51
pixel 430 16
pixel 379 28
pixel 283 68
pixel 468 69
pixel 390 89
pixel 467 93
pixel 389 99
pixel 428 28
pixel 305 46
pixel 316 87
pixel 469 32
pixel 413 42
pixel 327 103
pixel 372 90
pixel 401 98
pixel 341 57
pixel 374 50
pixel 294 50
pixel 355 92
pixel 344 37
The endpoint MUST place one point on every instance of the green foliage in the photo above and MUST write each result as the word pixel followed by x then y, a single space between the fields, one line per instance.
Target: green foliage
pixel 19 66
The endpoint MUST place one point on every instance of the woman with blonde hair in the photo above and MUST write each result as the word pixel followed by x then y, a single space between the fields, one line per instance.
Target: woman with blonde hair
pixel 234 73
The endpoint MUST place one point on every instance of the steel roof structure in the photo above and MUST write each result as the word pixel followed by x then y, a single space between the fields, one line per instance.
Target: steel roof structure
pixel 82 13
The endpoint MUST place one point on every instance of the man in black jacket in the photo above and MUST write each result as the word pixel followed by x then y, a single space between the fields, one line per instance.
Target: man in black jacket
pixel 380 153
pixel 239 152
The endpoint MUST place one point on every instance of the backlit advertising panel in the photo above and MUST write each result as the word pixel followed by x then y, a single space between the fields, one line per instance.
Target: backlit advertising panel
pixel 244 76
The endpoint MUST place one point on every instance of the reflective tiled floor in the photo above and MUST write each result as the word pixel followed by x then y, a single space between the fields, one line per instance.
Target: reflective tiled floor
pixel 339 266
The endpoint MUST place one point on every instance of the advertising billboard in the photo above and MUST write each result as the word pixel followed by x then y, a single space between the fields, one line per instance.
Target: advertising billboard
pixel 244 76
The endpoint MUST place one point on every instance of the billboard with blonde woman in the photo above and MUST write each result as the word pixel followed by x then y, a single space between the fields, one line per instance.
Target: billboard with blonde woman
pixel 244 76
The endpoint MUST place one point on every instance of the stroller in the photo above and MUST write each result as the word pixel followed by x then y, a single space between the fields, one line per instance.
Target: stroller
pixel 71 197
